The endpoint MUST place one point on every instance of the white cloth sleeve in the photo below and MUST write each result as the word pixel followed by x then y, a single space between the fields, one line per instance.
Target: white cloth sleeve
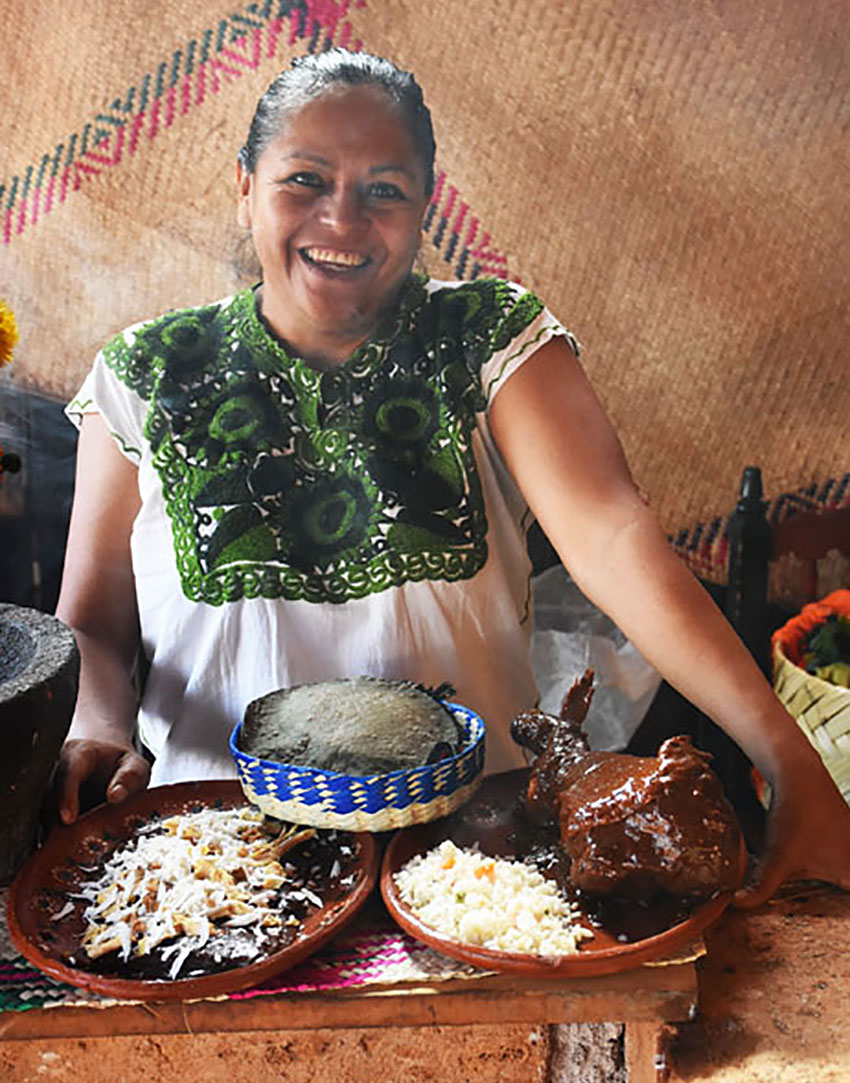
pixel 122 410
pixel 506 361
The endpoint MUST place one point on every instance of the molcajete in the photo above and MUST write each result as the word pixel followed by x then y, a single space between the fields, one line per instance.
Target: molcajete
pixel 39 672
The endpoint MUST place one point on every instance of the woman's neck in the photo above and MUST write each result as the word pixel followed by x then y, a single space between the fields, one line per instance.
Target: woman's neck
pixel 322 353
pixel 320 350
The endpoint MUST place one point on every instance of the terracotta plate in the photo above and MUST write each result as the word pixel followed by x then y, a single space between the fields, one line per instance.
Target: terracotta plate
pixel 40 889
pixel 490 820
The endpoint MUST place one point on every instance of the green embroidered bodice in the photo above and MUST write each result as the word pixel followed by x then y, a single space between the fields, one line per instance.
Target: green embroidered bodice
pixel 284 482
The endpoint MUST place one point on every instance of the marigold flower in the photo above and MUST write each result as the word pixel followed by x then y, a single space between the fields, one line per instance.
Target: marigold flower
pixel 8 333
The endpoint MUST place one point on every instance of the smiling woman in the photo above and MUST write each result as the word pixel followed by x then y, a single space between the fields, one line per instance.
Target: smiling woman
pixel 331 475
pixel 335 206
pixel 334 179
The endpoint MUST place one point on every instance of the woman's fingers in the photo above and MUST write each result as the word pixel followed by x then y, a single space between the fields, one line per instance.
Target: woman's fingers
pixel 809 839
pixel 770 875
pixel 109 770
pixel 76 763
pixel 132 774
pixel 767 877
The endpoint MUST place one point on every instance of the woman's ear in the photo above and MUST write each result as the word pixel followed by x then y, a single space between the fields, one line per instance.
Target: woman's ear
pixel 244 183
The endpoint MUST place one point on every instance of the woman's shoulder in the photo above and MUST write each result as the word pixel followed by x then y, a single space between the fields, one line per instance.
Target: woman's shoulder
pixel 176 323
pixel 495 308
pixel 176 336
pixel 499 290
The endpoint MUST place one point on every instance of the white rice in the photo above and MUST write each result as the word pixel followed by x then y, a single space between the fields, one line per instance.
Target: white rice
pixel 489 902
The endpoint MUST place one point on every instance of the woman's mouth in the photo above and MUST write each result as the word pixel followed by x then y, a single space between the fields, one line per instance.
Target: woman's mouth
pixel 334 261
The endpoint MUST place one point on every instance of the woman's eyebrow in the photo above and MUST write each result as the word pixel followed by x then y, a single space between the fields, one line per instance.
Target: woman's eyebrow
pixel 392 168
pixel 318 159
pixel 305 156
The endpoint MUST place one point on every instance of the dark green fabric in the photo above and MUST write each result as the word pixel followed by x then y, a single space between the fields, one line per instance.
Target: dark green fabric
pixel 285 482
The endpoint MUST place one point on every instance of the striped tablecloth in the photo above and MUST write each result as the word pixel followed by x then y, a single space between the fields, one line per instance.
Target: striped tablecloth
pixel 372 951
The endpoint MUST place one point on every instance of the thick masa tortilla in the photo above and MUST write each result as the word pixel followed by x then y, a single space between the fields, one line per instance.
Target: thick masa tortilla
pixel 354 726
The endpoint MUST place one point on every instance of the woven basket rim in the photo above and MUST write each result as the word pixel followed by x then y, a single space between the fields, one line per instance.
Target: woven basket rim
pixel 336 778
pixel 389 818
pixel 780 658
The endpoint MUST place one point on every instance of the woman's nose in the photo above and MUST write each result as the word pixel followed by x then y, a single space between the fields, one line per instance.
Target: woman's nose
pixel 343 208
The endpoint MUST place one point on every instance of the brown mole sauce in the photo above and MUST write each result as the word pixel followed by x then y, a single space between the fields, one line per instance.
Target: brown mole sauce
pixel 627 920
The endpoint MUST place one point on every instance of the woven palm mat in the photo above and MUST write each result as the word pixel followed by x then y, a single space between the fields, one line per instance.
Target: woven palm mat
pixel 371 952
pixel 671 178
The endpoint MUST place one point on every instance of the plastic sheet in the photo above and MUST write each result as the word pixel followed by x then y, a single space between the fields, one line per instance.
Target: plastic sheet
pixel 570 635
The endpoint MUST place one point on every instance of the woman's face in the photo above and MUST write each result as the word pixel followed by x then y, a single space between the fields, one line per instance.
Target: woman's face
pixel 335 209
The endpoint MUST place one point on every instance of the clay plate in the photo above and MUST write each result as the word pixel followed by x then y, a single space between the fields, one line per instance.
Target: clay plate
pixel 490 820
pixel 39 890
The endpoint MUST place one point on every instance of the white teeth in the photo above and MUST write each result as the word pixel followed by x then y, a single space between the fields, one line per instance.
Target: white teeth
pixel 336 259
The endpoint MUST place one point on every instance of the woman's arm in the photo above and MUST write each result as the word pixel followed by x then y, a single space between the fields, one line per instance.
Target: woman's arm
pixel 97 601
pixel 563 453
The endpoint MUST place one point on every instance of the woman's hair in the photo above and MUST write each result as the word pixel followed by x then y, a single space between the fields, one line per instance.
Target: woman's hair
pixel 311 76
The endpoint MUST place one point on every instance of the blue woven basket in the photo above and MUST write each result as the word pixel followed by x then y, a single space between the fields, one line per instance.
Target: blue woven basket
pixel 306 795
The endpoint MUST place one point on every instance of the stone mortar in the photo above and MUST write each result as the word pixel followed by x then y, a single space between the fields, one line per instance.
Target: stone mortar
pixel 39 672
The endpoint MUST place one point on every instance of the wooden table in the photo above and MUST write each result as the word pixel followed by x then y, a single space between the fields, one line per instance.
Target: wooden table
pixel 500 1020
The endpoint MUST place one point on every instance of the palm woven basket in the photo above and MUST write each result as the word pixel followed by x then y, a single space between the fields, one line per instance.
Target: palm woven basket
pixel 822 709
pixel 317 798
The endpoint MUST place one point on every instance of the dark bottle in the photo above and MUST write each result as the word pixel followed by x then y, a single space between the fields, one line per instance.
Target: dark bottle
pixel 750 546
pixel 749 537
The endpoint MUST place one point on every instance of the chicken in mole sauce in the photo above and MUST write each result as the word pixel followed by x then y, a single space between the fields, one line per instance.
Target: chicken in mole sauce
pixel 631 827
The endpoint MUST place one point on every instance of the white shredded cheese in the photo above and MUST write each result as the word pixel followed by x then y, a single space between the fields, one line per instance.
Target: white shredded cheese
pixel 184 879
pixel 489 902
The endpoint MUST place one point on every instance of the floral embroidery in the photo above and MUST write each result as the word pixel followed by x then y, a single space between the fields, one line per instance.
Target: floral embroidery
pixel 281 481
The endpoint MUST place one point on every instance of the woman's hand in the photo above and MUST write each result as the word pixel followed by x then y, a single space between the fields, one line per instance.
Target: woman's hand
pixel 91 771
pixel 808 836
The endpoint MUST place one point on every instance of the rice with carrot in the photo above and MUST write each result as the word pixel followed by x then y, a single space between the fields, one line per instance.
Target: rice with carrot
pixel 489 902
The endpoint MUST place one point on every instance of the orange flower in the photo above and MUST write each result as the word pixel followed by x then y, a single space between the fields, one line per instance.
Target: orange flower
pixel 8 333
pixel 792 637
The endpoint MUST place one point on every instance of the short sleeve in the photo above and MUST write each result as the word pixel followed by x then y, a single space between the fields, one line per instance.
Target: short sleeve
pixel 121 408
pixel 521 343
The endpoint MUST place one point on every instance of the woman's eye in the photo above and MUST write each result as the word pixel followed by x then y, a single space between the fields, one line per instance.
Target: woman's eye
pixel 305 179
pixel 385 190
